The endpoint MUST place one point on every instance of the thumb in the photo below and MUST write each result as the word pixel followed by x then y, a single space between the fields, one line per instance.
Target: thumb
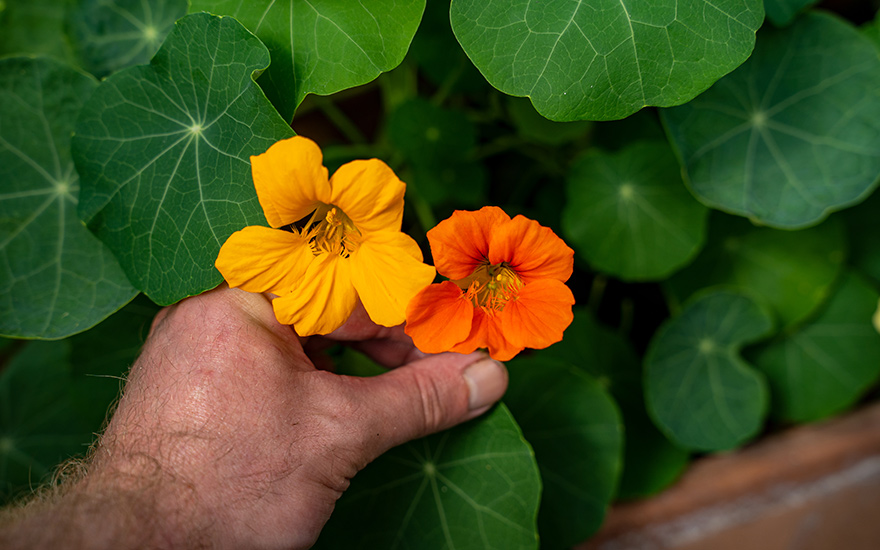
pixel 430 395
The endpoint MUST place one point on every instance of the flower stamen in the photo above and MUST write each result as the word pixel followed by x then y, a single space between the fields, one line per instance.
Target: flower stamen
pixel 491 287
pixel 330 231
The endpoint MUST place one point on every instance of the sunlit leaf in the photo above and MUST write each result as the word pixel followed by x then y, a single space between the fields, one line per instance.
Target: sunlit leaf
pixel 630 214
pixel 790 271
pixel 34 27
pixel 605 60
pixel 791 135
pixel 577 434
pixel 163 152
pixel 56 278
pixel 651 462
pixel 698 389
pixel 782 12
pixel 829 363
pixel 109 35
pixel 323 47
pixel 474 486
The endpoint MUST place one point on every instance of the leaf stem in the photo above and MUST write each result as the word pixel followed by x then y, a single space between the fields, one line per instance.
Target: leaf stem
pixel 339 119
pixel 597 291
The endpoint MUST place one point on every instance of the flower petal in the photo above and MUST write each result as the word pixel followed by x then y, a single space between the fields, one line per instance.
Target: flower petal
pixel 461 242
pixel 290 180
pixel 534 251
pixel 500 347
pixel 479 335
pixel 370 194
pixel 323 301
pixel 438 317
pixel 539 314
pixel 387 271
pixel 260 259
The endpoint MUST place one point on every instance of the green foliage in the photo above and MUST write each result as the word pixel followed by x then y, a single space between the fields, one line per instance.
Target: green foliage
pixel 474 486
pixel 323 47
pixel 605 60
pixel 792 134
pixel 56 278
pixel 159 169
pixel 698 389
pixel 163 152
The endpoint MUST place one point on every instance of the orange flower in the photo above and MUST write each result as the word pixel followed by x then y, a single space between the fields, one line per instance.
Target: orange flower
pixel 506 290
pixel 350 245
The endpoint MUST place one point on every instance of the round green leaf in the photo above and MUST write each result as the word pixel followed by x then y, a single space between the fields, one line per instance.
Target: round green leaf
pixel 109 35
pixel 576 432
pixel 782 12
pixel 697 388
pixel 829 363
pixel 430 135
pixel 34 27
pixel 323 47
pixel 791 135
pixel 163 151
pixel 605 60
pixel 790 271
pixel 651 462
pixel 474 486
pixel 630 214
pixel 56 278
pixel 460 184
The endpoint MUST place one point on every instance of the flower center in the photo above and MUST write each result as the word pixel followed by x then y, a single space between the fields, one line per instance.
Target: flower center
pixel 491 286
pixel 331 231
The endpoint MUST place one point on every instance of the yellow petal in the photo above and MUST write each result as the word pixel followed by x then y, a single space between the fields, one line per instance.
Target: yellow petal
pixel 387 273
pixel 370 194
pixel 290 180
pixel 323 302
pixel 260 259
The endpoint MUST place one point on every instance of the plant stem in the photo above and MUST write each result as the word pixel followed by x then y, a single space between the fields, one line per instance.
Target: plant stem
pixel 597 290
pixel 348 128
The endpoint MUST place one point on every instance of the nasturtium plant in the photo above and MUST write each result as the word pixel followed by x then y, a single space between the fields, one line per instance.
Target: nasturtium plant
pixel 163 152
pixel 782 12
pixel 698 389
pixel 791 272
pixel 791 135
pixel 474 486
pixel 605 60
pixel 109 35
pixel 576 432
pixel 56 278
pixel 830 361
pixel 630 214
pixel 35 27
pixel 323 47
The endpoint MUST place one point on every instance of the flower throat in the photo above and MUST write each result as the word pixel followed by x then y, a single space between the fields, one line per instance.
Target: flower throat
pixel 330 231
pixel 491 286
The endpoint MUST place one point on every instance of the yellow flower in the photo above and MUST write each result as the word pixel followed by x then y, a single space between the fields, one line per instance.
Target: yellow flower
pixel 334 241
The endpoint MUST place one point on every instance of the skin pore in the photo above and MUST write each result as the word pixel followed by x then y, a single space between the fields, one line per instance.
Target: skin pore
pixel 228 436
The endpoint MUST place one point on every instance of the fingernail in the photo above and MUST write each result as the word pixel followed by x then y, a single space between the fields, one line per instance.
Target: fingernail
pixel 487 381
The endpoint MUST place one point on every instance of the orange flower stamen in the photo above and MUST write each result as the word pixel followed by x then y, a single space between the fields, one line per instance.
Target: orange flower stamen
pixel 330 231
pixel 491 287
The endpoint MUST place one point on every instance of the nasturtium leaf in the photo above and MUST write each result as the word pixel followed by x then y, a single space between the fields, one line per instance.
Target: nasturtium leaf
pixel 871 31
pixel 462 184
pixel 56 278
pixel 39 426
pixel 533 127
pixel 474 486
pixel 651 462
pixel 863 236
pixel 782 12
pixel 323 47
pixel 109 35
pixel 793 134
pixel 630 214
pixel 34 27
pixel 163 152
pixel 698 389
pixel 430 135
pixel 790 271
pixel 100 358
pixel 830 362
pixel 576 432
pixel 605 60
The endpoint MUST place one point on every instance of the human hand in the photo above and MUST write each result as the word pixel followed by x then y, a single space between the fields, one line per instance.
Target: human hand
pixel 240 441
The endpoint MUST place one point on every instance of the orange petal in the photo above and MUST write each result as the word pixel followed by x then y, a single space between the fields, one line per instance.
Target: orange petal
pixel 260 259
pixel 539 314
pixel 323 301
pixel 478 337
pixel 500 347
pixel 387 272
pixel 461 242
pixel 290 180
pixel 534 251
pixel 438 317
pixel 370 194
